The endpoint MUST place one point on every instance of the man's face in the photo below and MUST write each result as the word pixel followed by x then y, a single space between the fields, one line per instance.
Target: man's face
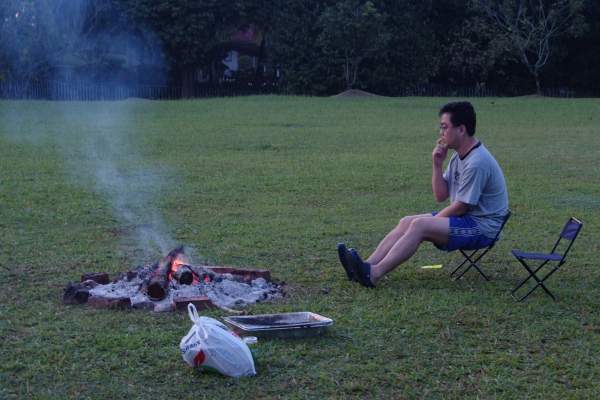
pixel 451 134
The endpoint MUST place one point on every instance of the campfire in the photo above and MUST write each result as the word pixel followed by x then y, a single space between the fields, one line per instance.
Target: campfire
pixel 173 283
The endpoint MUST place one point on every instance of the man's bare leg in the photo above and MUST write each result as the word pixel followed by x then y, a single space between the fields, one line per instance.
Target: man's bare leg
pixel 391 238
pixel 428 228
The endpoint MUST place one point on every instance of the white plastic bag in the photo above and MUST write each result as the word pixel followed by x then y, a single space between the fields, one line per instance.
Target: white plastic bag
pixel 210 344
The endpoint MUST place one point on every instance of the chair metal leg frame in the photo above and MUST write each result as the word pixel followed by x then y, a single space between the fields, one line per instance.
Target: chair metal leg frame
pixel 458 267
pixel 472 263
pixel 540 282
pixel 531 275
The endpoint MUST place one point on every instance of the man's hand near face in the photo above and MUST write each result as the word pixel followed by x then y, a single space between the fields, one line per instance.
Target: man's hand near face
pixel 440 151
pixel 438 184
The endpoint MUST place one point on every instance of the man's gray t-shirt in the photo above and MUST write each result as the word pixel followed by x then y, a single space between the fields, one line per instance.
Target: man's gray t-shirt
pixel 477 180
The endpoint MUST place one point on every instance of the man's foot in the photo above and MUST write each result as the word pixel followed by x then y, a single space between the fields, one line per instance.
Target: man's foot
pixel 344 257
pixel 361 269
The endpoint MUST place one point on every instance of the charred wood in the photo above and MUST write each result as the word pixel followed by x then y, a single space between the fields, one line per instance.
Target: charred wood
pixel 203 274
pixel 184 275
pixel 201 302
pixel 78 293
pixel 98 277
pixel 158 284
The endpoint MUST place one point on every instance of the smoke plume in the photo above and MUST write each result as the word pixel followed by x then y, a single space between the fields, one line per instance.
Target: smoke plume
pixel 74 40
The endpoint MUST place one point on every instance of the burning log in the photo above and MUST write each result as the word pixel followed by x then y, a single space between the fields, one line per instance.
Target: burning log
pixel 159 281
pixel 203 274
pixel 184 275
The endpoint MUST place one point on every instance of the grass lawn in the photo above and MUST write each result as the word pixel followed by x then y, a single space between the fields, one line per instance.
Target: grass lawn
pixel 276 182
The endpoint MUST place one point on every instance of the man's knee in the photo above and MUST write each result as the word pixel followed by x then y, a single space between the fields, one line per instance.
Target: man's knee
pixel 429 228
pixel 418 225
pixel 407 220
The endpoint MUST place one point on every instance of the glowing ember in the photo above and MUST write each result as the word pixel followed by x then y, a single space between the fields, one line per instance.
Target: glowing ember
pixel 180 260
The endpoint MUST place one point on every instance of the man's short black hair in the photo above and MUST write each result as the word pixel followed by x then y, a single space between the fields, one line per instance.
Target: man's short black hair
pixel 461 113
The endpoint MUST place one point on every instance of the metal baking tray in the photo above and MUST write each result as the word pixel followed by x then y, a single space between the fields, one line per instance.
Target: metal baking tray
pixel 284 325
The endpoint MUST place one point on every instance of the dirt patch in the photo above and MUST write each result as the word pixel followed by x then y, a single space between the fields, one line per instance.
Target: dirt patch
pixel 353 93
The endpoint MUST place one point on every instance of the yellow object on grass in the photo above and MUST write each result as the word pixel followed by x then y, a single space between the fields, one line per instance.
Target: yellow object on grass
pixel 437 266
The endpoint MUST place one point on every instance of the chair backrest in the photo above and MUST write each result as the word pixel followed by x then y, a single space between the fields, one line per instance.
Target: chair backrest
pixel 504 220
pixel 569 232
pixel 571 229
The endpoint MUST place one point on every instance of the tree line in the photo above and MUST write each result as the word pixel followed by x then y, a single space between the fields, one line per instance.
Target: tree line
pixel 309 47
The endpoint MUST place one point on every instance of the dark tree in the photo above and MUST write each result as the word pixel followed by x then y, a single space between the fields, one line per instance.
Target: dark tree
pixel 532 26
pixel 351 32
pixel 293 48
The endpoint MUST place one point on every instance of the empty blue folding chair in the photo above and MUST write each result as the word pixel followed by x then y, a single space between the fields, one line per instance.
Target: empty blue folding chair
pixel 568 234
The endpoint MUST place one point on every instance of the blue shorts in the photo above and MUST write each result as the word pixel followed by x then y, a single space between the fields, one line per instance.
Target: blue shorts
pixel 464 234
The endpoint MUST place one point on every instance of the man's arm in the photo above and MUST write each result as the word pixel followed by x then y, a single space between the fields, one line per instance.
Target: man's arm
pixel 439 186
pixel 456 208
pixel 467 194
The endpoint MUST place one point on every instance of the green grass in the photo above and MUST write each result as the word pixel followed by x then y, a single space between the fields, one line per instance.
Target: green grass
pixel 276 182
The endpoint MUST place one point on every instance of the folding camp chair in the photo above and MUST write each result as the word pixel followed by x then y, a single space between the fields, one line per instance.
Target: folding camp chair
pixel 569 233
pixel 470 258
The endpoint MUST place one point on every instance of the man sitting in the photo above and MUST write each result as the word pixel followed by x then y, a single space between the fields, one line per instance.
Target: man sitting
pixel 478 202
